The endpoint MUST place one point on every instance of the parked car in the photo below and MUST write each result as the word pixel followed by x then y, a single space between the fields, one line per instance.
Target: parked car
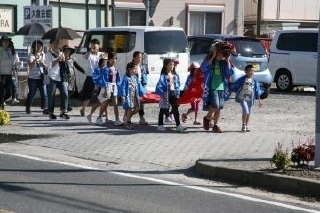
pixel 156 43
pixel 249 51
pixel 293 58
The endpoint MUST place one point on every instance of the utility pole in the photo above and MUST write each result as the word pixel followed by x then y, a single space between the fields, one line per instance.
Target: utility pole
pixel 317 149
pixel 87 14
pixel 259 18
pixel 59 13
pixel 106 13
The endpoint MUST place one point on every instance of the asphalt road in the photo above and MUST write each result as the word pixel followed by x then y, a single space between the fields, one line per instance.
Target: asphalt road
pixel 28 185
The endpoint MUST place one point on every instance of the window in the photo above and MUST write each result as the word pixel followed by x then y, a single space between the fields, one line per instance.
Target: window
pixel 161 42
pixel 305 42
pixel 125 17
pixel 111 41
pixel 200 46
pixel 205 19
pixel 249 47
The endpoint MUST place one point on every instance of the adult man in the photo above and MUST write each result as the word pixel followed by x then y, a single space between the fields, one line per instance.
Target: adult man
pixel 217 70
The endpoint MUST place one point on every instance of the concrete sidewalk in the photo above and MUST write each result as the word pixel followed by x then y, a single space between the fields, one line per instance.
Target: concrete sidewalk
pixel 231 156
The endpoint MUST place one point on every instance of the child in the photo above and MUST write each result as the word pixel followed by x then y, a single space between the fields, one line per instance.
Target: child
pixel 194 68
pixel 247 90
pixel 130 91
pixel 109 90
pixel 99 80
pixel 168 87
pixel 169 114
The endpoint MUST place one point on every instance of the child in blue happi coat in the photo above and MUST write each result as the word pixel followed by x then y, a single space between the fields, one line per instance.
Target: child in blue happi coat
pixel 168 87
pixel 247 90
pixel 130 91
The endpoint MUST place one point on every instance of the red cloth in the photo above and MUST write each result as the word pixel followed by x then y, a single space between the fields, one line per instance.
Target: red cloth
pixel 194 90
pixel 150 97
pixel 192 94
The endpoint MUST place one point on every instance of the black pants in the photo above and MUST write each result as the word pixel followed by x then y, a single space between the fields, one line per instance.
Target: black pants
pixel 173 101
pixel 5 88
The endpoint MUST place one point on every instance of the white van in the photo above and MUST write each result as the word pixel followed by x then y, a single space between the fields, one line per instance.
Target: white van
pixel 293 58
pixel 156 43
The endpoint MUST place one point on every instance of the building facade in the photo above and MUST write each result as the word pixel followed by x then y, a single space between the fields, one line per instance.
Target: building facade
pixel 194 16
pixel 280 14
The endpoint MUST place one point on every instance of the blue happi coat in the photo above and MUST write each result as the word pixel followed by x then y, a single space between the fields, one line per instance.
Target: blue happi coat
pixel 237 87
pixel 162 89
pixel 226 72
pixel 125 91
pixel 101 76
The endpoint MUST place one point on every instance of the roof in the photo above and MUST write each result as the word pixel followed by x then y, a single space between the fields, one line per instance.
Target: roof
pixel 135 28
pixel 221 36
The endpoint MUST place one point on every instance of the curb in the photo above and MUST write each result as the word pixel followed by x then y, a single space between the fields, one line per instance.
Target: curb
pixel 270 182
pixel 11 137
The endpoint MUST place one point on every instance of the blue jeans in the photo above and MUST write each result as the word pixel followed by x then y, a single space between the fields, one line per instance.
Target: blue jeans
pixel 63 90
pixel 14 88
pixel 33 85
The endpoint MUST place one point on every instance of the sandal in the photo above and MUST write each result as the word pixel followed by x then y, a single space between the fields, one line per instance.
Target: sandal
pixel 184 117
pixel 196 123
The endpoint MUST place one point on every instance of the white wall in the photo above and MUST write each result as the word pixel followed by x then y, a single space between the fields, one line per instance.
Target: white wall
pixel 283 10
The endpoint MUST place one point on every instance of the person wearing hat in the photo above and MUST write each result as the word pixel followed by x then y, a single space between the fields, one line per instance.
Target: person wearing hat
pixel 71 76
pixel 194 69
pixel 92 56
pixel 6 68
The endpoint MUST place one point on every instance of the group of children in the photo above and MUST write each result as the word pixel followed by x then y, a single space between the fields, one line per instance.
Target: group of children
pixel 111 88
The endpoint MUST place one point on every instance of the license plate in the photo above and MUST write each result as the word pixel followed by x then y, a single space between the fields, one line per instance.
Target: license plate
pixel 256 66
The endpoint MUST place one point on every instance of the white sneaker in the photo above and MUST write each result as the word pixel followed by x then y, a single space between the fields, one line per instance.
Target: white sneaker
pixel 118 123
pixel 89 118
pixel 99 121
pixel 143 121
pixel 168 120
pixel 161 128
pixel 181 128
pixel 172 118
pixel 15 101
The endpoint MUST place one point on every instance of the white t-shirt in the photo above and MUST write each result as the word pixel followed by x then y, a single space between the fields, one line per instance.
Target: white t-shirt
pixel 247 90
pixel 93 62
pixel 54 71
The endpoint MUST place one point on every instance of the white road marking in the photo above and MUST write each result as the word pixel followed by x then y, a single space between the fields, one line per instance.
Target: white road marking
pixel 244 197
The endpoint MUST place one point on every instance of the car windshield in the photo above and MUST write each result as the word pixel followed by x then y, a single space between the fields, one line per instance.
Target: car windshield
pixel 249 47
pixel 161 42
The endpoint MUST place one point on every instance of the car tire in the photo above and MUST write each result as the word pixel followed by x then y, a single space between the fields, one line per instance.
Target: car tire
pixel 284 81
pixel 265 94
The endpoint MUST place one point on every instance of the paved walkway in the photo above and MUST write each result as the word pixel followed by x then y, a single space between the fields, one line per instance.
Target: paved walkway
pixel 144 145
pixel 147 150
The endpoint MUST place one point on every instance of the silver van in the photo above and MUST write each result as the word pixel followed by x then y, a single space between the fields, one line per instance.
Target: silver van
pixel 249 51
pixel 293 58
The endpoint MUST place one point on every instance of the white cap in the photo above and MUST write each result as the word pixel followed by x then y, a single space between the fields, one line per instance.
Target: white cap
pixel 194 65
